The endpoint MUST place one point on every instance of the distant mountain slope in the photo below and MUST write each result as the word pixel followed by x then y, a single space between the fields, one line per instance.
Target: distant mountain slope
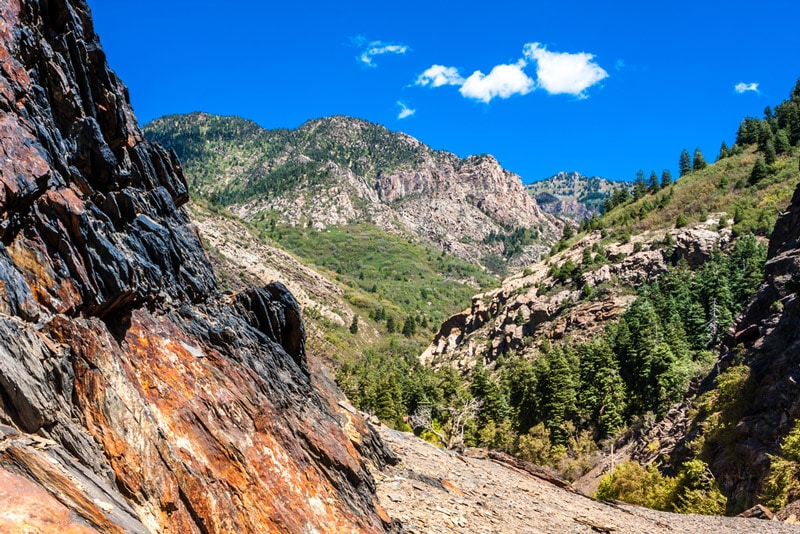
pixel 572 195
pixel 340 170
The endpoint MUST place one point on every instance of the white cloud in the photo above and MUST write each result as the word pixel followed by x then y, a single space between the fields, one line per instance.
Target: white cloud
pixel 379 48
pixel 405 111
pixel 439 75
pixel 742 87
pixel 503 81
pixel 562 72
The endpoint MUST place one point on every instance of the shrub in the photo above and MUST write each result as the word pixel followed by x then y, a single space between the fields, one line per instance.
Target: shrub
pixel 782 485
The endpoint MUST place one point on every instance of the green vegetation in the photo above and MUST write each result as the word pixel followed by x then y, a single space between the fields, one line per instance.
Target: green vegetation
pixel 231 160
pixel 752 181
pixel 384 275
pixel 782 485
pixel 693 491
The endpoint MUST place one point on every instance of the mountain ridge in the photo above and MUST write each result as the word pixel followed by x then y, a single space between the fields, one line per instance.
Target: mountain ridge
pixel 573 195
pixel 336 170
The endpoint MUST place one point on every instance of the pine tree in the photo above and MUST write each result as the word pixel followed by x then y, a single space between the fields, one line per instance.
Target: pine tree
pixel 765 135
pixel 748 131
pixel 354 325
pixel 639 185
pixel 559 394
pixel 759 171
pixel 685 163
pixel 698 162
pixel 410 326
pixel 390 324
pixel 653 185
pixel 770 154
pixel 666 178
pixel 723 151
pixel 782 145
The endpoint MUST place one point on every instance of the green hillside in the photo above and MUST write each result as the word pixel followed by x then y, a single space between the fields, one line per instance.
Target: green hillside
pixel 230 160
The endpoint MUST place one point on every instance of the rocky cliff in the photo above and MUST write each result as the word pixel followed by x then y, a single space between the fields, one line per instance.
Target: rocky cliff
pixel 340 170
pixel 545 302
pixel 133 395
pixel 766 342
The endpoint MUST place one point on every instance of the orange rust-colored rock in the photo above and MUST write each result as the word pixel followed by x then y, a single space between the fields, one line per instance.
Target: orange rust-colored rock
pixel 28 508
pixel 134 396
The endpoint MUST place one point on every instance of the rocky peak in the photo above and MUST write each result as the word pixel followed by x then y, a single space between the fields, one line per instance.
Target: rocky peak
pixel 341 170
pixel 134 396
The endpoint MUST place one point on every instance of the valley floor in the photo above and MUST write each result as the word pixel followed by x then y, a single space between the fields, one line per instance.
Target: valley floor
pixel 437 491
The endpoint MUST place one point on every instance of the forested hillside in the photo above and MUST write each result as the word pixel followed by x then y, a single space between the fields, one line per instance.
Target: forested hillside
pixel 659 278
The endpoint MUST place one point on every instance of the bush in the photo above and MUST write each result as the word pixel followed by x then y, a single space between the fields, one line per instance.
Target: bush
pixel 782 485
pixel 681 221
pixel 632 483
pixel 693 491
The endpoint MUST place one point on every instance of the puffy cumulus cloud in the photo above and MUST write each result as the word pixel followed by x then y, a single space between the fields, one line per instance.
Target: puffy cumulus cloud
pixel 379 48
pixel 439 75
pixel 405 111
pixel 503 81
pixel 742 87
pixel 562 72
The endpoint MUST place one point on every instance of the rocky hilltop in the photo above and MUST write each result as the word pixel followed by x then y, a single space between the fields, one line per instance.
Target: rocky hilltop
pixel 134 396
pixel 572 195
pixel 339 170
pixel 536 304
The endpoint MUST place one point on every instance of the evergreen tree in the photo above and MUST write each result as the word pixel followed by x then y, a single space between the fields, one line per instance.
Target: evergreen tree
pixel 494 407
pixel 770 154
pixel 748 131
pixel 558 393
pixel 723 151
pixel 698 162
pixel 653 185
pixel 410 326
pixel 666 178
pixel 685 163
pixel 354 325
pixel 782 145
pixel 639 185
pixel 765 136
pixel 602 395
pixel 390 324
pixel 759 171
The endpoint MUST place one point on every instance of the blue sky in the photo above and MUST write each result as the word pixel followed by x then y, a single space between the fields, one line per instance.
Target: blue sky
pixel 602 88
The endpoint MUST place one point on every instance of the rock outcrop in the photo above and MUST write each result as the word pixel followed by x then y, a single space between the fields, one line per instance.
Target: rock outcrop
pixel 134 396
pixel 540 303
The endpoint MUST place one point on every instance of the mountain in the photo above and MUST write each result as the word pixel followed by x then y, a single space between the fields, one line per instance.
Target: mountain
pixel 338 170
pixel 134 395
pixel 572 195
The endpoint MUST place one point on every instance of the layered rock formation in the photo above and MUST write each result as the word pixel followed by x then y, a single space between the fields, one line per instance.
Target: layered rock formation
pixel 340 170
pixel 538 303
pixel 133 395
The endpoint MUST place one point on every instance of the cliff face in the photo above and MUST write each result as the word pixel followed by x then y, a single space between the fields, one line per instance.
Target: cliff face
pixel 133 396
pixel 767 337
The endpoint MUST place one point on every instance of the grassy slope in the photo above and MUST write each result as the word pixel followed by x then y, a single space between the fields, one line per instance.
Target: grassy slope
pixel 721 187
